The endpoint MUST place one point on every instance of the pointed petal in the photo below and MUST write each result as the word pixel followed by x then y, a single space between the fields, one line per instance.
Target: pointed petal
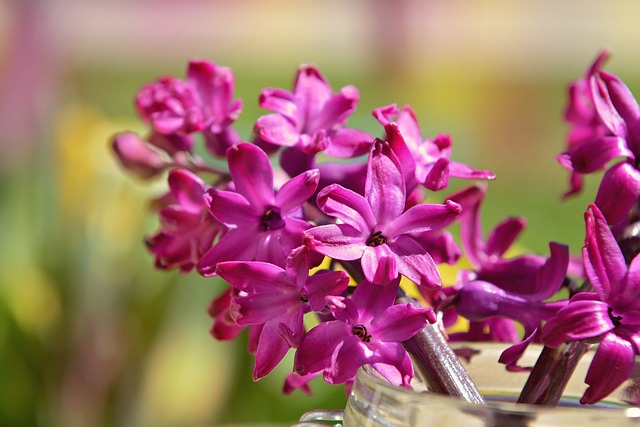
pixel 296 191
pixel 277 130
pixel 379 265
pixel 582 319
pixel 187 188
pixel 347 143
pixel 372 299
pixel 236 245
pixel 503 236
pixel 594 153
pixel 400 322
pixel 460 170
pixel 604 107
pixel 272 347
pixel 346 361
pixel 621 97
pixel 435 176
pixel 421 218
pixel 603 260
pixel 551 275
pixel 348 206
pixel 471 199
pixel 339 241
pixel 384 188
pixel 252 174
pixel 619 192
pixel 231 208
pixel 611 366
pixel 317 347
pixel 311 91
pixel 414 263
pixel 280 101
pixel 323 284
pixel 336 110
pixel 255 276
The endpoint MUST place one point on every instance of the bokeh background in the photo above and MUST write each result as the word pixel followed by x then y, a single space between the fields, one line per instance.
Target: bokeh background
pixel 90 334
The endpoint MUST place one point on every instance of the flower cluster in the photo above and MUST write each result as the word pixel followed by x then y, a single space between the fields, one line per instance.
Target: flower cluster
pixel 318 254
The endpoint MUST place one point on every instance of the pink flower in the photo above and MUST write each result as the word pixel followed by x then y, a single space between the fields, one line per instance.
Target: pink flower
pixel 611 315
pixel 425 161
pixel 263 226
pixel 138 156
pixel 376 229
pixel 369 329
pixel 187 230
pixel 312 117
pixel 277 298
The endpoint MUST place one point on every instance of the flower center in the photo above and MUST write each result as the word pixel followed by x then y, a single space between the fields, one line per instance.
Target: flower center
pixel 617 320
pixel 376 239
pixel 272 220
pixel 361 332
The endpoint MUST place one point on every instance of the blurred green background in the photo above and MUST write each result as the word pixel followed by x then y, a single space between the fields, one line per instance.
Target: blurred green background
pixel 90 333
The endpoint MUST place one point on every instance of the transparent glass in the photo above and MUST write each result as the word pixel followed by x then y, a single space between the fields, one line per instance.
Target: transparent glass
pixel 373 402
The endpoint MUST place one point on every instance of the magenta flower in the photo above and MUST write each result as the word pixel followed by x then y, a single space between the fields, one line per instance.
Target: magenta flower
pixel 425 161
pixel 376 229
pixel 187 230
pixel 312 117
pixel 369 329
pixel 176 109
pixel 277 298
pixel 263 226
pixel 605 119
pixel 611 315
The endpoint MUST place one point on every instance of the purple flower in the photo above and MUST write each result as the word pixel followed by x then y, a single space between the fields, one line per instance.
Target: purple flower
pixel 605 119
pixel 376 229
pixel 312 117
pixel 263 226
pixel 277 298
pixel 425 161
pixel 611 315
pixel 176 109
pixel 369 329
pixel 187 230
pixel 214 85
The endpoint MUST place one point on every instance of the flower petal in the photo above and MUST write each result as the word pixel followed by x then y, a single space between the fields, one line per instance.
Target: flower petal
pixel 421 218
pixel 503 235
pixel 385 187
pixel 471 199
pixel 603 260
pixel 346 361
pixel 619 192
pixel 580 319
pixel 296 191
pixel 254 276
pixel 379 264
pixel 400 322
pixel 414 263
pixel 611 366
pixel 336 110
pixel 187 188
pixel 277 130
pixel 280 101
pixel 231 208
pixel 272 347
pixel 237 245
pixel 347 143
pixel 339 241
pixel 348 206
pixel 317 347
pixel 252 174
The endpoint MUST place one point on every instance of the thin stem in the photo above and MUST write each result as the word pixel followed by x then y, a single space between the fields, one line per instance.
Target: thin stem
pixel 437 365
pixel 551 374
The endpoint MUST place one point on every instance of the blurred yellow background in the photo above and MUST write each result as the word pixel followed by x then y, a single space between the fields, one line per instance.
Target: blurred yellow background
pixel 90 333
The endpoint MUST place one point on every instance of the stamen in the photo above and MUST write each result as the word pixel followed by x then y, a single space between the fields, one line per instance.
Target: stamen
pixel 361 332
pixel 617 320
pixel 272 220
pixel 376 239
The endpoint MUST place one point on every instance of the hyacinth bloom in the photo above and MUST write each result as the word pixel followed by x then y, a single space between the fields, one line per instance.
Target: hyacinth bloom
pixel 605 119
pixel 368 329
pixel 277 299
pixel 263 226
pixel 375 229
pixel 427 160
pixel 312 117
pixel 175 109
pixel 608 315
pixel 187 230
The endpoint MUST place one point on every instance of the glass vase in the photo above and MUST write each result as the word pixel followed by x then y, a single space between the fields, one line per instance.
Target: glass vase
pixel 373 402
